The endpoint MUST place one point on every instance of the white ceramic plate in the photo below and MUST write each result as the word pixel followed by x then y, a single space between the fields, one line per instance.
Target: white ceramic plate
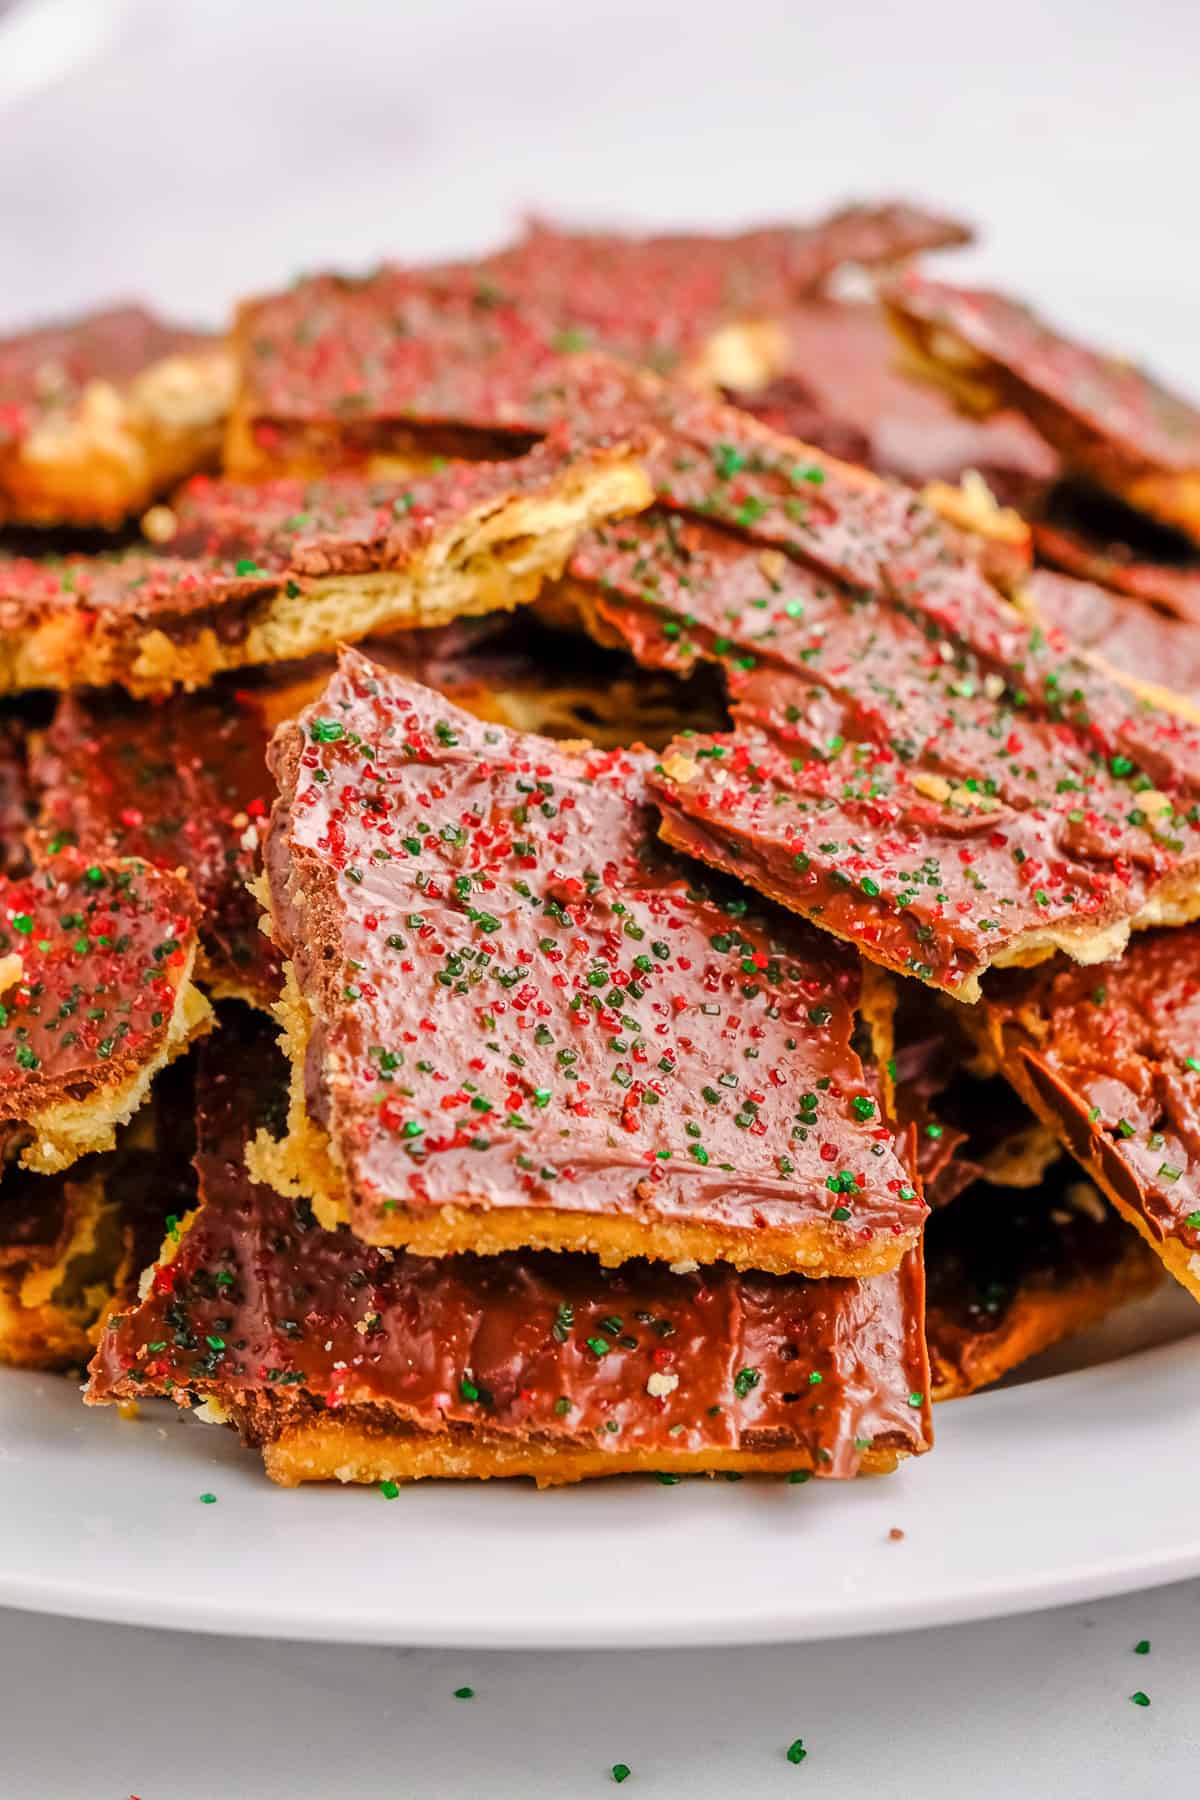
pixel 1070 1485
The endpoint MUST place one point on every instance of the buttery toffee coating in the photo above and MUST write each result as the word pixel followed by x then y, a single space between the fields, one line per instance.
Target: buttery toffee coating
pixel 518 1000
pixel 281 1320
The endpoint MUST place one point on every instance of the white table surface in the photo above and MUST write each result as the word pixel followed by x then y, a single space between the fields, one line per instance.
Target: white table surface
pixel 198 150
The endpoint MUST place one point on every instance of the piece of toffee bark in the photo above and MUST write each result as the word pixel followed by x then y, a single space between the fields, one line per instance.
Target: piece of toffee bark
pixel 409 361
pixel 95 997
pixel 841 378
pixel 353 1363
pixel 1110 1059
pixel 1109 420
pixel 916 767
pixel 512 1023
pixel 1170 587
pixel 1154 649
pixel 182 781
pixel 1009 1275
pixel 248 575
pixel 73 1245
pixel 101 415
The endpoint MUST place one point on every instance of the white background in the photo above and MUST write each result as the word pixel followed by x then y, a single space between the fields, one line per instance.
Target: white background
pixel 197 151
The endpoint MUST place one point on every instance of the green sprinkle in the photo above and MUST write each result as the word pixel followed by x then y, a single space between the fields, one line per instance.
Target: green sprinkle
pixel 1142 1647
pixel 799 1476
pixel 208 1499
pixel 1140 1699
pixel 245 565
pixel 620 1772
pixel 916 1399
pixel 464 1693
pixel 665 1480
pixel 390 1489
pixel 744 1381
pixel 325 731
pixel 796 1752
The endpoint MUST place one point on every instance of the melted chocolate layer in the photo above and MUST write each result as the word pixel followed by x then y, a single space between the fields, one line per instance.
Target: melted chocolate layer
pixel 1137 639
pixel 103 947
pixel 1112 1056
pixel 915 768
pixel 280 1319
pixel 518 1001
pixel 1108 419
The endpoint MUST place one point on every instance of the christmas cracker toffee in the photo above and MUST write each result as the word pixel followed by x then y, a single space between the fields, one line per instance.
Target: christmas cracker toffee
pixel 100 416
pixel 342 1361
pixel 915 767
pixel 513 1024
pixel 1110 1059
pixel 408 362
pixel 96 960
pixel 248 575
pixel 73 1245
pixel 1109 420
pixel 1008 1275
pixel 1160 652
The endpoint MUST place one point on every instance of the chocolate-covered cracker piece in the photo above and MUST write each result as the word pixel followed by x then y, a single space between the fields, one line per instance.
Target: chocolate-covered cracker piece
pixel 513 1023
pixel 100 415
pixel 358 1364
pixel 1171 588
pixel 16 805
pixel 95 998
pixel 73 1245
pixel 1110 1059
pixel 843 393
pixel 246 575
pixel 915 768
pixel 408 361
pixel 1151 647
pixel 1109 420
pixel 1008 1275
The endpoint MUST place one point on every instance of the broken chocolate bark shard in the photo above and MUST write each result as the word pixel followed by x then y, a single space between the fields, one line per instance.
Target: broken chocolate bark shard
pixel 513 1022
pixel 1105 1057
pixel 1009 1275
pixel 247 575
pixel 101 415
pixel 915 768
pixel 1109 420
pixel 95 998
pixel 345 1361
pixel 408 361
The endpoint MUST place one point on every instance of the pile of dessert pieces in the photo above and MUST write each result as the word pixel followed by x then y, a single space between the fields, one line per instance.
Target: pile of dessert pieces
pixel 572 827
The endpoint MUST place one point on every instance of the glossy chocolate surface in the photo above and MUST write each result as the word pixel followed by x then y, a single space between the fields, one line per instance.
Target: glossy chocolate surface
pixel 235 544
pixel 102 946
pixel 262 1308
pixel 1135 638
pixel 1113 1054
pixel 1102 412
pixel 519 1000
pixel 915 767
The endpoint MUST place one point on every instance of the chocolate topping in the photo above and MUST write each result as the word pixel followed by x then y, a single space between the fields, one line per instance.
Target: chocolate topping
pixel 460 345
pixel 1148 645
pixel 915 767
pixel 1111 1056
pixel 518 1001
pixel 280 1320
pixel 1108 419
pixel 843 394
pixel 234 543
pixel 43 373
pixel 103 948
